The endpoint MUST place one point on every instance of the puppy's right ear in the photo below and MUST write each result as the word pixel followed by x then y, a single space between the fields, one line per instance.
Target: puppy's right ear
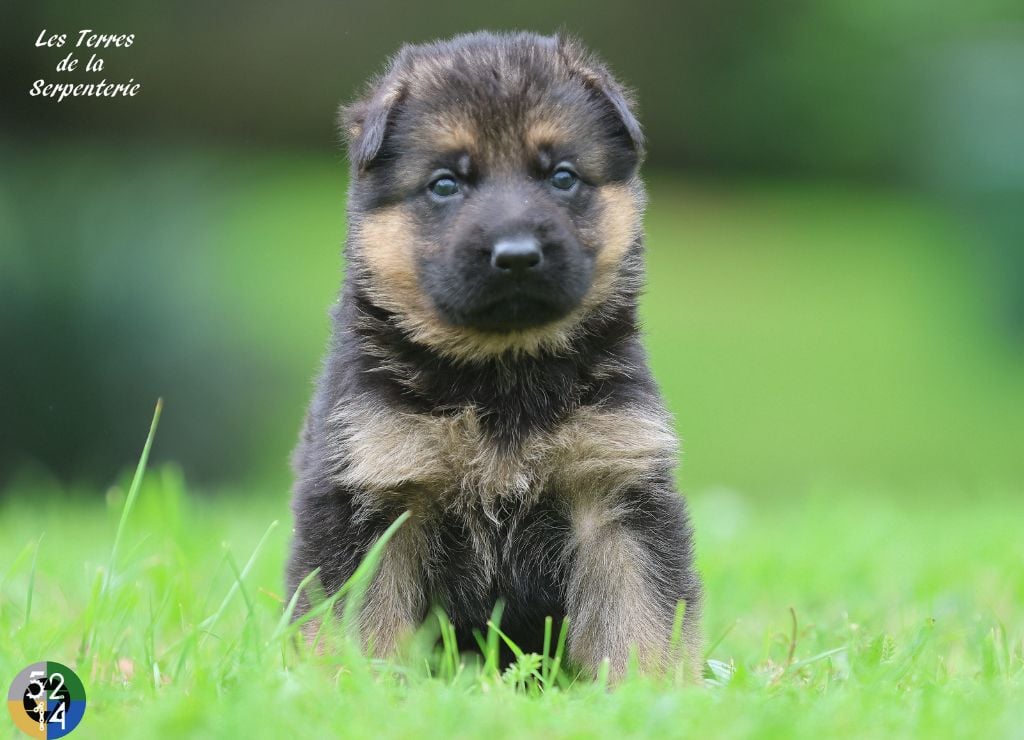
pixel 365 122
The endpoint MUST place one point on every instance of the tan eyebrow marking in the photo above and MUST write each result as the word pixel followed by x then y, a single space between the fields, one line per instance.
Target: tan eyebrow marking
pixel 450 133
pixel 544 133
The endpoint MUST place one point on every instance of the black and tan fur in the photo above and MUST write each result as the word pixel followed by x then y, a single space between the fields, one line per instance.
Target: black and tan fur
pixel 526 435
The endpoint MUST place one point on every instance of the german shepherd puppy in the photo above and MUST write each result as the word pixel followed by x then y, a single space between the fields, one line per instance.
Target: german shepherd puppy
pixel 485 371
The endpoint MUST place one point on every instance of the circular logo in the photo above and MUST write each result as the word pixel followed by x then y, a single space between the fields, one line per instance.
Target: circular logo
pixel 46 700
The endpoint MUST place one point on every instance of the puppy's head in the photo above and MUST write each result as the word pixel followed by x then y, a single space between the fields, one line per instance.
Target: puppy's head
pixel 494 200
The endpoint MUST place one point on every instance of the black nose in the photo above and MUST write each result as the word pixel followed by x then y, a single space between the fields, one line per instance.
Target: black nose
pixel 517 255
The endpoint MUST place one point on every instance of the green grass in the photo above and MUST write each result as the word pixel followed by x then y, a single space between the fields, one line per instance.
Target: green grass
pixel 851 419
pixel 838 612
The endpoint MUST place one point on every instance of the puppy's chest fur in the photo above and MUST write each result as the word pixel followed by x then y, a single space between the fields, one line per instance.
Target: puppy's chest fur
pixel 448 462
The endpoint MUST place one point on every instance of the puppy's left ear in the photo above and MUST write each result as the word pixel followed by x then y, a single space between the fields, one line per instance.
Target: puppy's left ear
pixel 597 77
pixel 365 122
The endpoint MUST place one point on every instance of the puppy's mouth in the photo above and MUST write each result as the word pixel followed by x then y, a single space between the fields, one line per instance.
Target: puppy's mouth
pixel 506 308
pixel 511 313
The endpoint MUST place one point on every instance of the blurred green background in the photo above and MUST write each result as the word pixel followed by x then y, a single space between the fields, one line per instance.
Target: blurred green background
pixel 836 232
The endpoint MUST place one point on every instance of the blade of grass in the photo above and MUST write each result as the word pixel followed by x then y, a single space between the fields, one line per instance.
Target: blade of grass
pixel 286 615
pixel 95 612
pixel 546 667
pixel 677 651
pixel 905 664
pixel 207 624
pixel 31 584
pixel 506 639
pixel 813 659
pixel 721 637
pixel 17 562
pixel 133 491
pixel 563 635
pixel 449 645
pixel 239 576
pixel 492 653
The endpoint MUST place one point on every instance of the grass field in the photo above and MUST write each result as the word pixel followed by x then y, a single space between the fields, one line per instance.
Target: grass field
pixel 852 431
pixel 832 613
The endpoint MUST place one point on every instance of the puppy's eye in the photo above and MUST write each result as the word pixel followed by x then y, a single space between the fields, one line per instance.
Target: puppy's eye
pixel 563 179
pixel 444 187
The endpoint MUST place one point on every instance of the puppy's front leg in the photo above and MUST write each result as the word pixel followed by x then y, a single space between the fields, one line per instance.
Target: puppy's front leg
pixel 395 602
pixel 631 563
pixel 333 534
